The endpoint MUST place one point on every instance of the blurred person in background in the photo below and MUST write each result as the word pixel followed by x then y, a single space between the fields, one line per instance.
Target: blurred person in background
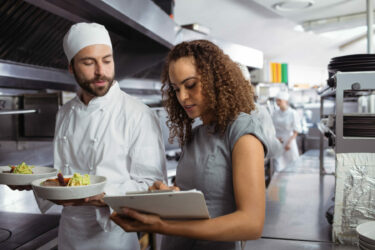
pixel 275 148
pixel 287 124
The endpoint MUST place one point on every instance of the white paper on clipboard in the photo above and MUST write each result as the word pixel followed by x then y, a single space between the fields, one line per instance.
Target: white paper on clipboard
pixel 168 205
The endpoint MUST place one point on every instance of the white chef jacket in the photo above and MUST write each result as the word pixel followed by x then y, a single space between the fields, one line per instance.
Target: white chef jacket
pixel 115 136
pixel 286 122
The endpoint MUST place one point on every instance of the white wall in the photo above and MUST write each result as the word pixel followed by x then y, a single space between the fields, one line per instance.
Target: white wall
pixel 313 76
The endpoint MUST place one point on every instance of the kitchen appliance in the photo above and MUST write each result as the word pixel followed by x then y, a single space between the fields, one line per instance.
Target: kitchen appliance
pixel 351 88
pixel 351 85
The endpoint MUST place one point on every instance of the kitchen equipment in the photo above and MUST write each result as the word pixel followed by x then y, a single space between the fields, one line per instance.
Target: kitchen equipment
pixel 351 79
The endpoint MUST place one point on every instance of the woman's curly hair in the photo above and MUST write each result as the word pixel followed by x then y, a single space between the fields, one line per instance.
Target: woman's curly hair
pixel 226 91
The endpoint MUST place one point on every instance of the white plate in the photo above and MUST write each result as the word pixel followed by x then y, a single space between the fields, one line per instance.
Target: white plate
pixel 25 179
pixel 69 193
pixel 366 231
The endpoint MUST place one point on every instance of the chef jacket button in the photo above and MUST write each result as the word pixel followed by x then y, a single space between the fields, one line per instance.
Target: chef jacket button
pixel 101 109
pixel 73 107
pixel 94 140
pixel 64 137
pixel 66 165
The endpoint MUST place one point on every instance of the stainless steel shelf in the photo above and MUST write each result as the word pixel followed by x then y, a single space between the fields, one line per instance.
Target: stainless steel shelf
pixel 325 129
pixel 347 144
pixel 359 114
pixel 329 93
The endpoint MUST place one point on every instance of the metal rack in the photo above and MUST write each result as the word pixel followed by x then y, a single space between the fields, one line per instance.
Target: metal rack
pixel 349 85
pixel 326 96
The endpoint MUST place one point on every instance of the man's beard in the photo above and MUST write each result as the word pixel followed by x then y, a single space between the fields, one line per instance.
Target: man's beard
pixel 85 84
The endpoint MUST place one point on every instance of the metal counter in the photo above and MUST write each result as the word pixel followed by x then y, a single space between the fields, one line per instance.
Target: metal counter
pixel 297 201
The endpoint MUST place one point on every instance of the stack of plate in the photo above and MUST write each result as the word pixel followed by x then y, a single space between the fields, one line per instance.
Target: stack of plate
pixel 356 62
pixel 359 125
pixel 366 235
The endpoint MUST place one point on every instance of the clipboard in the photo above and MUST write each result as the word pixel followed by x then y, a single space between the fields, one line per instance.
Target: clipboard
pixel 165 203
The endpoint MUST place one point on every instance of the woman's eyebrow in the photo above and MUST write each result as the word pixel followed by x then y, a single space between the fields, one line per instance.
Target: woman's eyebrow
pixel 187 79
pixel 183 81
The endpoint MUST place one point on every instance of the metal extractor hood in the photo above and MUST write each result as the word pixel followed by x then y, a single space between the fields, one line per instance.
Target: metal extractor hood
pixel 142 33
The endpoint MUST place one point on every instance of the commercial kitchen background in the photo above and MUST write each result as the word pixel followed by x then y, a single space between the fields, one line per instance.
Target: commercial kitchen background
pixel 308 207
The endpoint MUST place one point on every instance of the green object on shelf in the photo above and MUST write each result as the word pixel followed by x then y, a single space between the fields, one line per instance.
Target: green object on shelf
pixel 284 73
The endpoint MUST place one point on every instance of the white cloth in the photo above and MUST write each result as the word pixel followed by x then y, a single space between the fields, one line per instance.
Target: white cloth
pixel 286 122
pixel 115 136
pixel 81 35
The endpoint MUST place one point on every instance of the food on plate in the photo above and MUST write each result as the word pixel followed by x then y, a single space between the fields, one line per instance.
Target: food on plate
pixel 76 180
pixel 22 168
pixel 79 180
pixel 59 181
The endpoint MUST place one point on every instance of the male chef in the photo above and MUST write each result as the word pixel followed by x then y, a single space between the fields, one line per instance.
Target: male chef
pixel 102 131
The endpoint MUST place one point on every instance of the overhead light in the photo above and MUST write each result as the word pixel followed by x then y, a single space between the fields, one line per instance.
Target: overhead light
pixel 299 28
pixel 293 5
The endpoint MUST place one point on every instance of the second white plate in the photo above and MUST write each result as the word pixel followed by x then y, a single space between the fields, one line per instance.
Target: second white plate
pixel 25 179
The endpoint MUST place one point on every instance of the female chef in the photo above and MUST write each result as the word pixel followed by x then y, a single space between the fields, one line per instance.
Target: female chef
pixel 223 157
pixel 287 125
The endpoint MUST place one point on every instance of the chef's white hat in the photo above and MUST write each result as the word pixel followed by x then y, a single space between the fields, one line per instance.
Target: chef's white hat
pixel 81 35
pixel 283 95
